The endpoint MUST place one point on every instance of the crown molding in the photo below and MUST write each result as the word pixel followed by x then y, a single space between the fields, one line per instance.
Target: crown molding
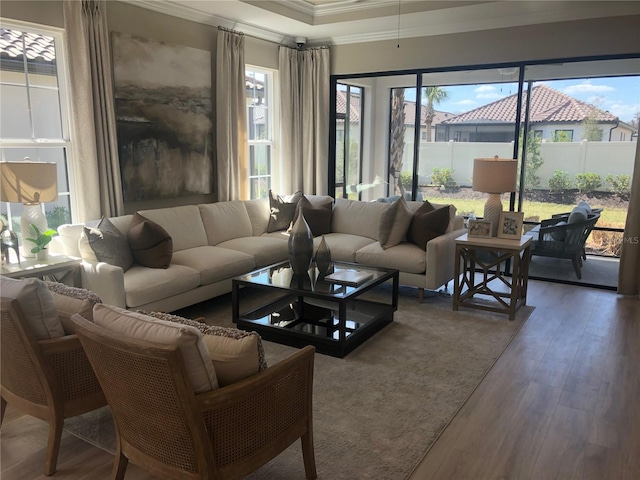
pixel 187 13
pixel 336 8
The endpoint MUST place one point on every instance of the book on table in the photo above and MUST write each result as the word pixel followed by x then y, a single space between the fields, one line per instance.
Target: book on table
pixel 349 277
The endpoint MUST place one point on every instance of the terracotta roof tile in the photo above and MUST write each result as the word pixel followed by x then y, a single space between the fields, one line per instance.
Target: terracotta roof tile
pixel 36 47
pixel 547 105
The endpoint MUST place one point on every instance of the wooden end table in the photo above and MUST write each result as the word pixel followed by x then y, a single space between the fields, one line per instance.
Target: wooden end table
pixel 59 267
pixel 493 290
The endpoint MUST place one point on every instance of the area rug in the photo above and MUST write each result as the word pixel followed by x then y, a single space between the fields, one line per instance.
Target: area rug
pixel 377 411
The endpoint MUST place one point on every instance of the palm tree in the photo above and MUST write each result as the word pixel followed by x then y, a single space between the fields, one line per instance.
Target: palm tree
pixel 433 95
pixel 396 150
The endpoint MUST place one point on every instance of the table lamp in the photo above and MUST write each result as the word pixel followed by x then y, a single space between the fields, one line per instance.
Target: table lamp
pixel 29 183
pixel 494 176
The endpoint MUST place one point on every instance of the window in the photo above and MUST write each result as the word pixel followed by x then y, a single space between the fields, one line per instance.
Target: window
pixel 34 120
pixel 259 88
pixel 563 136
pixel 349 109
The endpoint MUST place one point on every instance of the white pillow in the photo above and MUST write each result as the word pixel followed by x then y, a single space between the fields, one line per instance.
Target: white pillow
pixel 37 305
pixel 142 327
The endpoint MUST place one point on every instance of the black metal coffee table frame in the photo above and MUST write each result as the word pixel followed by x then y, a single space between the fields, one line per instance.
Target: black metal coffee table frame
pixel 311 311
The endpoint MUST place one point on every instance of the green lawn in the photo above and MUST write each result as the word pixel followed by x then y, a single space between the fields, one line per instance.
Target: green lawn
pixel 611 217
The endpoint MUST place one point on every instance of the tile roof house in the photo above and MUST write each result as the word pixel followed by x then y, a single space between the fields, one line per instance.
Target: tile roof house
pixel 551 112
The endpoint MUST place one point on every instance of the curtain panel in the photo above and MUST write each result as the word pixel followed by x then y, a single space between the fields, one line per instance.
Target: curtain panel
pixel 96 167
pixel 304 107
pixel 629 274
pixel 231 118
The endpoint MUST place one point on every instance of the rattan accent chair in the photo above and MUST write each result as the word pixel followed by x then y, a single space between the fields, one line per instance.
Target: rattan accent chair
pixel 167 429
pixel 49 379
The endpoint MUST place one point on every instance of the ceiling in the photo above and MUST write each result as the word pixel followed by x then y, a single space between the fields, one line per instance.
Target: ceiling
pixel 339 22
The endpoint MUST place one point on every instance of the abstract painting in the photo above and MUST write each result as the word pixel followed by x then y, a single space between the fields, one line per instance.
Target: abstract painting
pixel 164 118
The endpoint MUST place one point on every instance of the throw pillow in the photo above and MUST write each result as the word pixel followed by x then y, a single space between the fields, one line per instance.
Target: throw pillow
pixel 318 217
pixel 393 224
pixel 235 354
pixel 109 244
pixel 37 305
pixel 150 244
pixel 577 215
pixel 134 325
pixel 282 210
pixel 427 225
pixel 70 300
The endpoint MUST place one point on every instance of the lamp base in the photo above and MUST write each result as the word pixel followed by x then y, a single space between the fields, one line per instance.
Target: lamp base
pixel 31 215
pixel 492 211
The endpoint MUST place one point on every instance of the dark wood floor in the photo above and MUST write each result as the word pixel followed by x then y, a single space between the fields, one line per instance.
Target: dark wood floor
pixel 563 401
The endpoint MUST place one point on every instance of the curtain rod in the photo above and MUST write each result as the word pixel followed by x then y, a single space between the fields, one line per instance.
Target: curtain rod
pixel 310 47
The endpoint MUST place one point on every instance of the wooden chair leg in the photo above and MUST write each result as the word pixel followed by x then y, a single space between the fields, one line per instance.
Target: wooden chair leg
pixel 53 445
pixel 420 295
pixel 4 408
pixel 308 456
pixel 119 466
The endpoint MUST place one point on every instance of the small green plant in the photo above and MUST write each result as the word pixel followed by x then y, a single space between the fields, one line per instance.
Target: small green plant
pixel 620 184
pixel 588 182
pixel 406 179
pixel 444 177
pixel 560 181
pixel 41 240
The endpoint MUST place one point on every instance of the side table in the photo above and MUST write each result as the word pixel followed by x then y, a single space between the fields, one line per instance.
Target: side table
pixel 500 293
pixel 61 267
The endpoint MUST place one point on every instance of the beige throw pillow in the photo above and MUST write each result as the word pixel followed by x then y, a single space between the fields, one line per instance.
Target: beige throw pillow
pixel 394 223
pixel 143 327
pixel 235 354
pixel 70 300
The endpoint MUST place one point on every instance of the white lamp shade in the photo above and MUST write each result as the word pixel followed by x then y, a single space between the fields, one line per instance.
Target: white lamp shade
pixel 494 175
pixel 28 182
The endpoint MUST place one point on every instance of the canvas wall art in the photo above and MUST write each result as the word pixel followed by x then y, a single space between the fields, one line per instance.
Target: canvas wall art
pixel 164 118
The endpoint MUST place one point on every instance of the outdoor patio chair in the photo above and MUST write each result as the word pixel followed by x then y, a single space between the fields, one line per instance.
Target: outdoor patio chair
pixel 165 427
pixel 557 238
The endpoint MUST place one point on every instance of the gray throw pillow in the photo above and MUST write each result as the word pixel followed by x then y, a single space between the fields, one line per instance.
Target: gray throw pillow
pixel 577 215
pixel 394 223
pixel 109 244
pixel 282 210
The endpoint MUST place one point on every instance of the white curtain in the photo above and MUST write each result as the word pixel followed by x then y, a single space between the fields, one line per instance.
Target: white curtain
pixel 304 111
pixel 96 168
pixel 629 275
pixel 231 118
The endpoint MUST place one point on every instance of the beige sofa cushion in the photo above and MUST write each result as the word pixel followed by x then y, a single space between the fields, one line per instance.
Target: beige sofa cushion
pixel 343 246
pixel 258 211
pixel 265 249
pixel 225 221
pixel 183 224
pixel 235 354
pixel 357 218
pixel 214 263
pixel 36 303
pixel 405 257
pixel 144 285
pixel 200 370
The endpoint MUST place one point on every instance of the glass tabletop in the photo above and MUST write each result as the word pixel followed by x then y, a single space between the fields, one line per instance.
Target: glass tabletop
pixel 281 276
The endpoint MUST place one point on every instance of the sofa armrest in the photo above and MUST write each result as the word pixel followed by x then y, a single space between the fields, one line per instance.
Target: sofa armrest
pixel 105 280
pixel 441 259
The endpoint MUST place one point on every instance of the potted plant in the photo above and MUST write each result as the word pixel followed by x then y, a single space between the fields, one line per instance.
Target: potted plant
pixel 41 240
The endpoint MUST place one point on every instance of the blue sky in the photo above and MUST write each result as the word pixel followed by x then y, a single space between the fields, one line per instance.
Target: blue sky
pixel 618 95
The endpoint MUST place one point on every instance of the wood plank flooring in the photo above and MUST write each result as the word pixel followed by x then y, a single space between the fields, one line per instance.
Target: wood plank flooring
pixel 562 402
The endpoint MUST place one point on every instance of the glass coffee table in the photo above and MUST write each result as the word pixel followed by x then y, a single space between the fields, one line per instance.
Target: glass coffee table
pixel 310 310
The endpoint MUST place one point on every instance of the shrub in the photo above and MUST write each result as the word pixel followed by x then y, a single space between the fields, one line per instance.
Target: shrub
pixel 406 179
pixel 560 181
pixel 444 177
pixel 588 182
pixel 620 184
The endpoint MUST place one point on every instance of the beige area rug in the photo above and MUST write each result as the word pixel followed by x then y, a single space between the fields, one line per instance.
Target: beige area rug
pixel 377 411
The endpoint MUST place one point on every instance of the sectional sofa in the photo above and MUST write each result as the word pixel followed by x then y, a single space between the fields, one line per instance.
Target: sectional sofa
pixel 212 243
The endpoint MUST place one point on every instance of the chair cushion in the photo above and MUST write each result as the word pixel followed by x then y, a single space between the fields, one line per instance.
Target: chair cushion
pixel 428 224
pixel 70 300
pixel 150 244
pixel 560 234
pixel 109 244
pixel 393 223
pixel 235 354
pixel 282 210
pixel 318 216
pixel 578 214
pixel 36 303
pixel 200 370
